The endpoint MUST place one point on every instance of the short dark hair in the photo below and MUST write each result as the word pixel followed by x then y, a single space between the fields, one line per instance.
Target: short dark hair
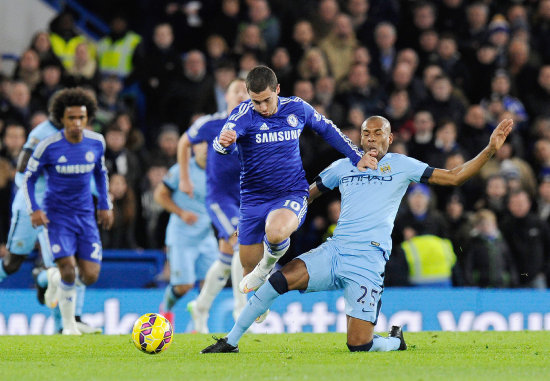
pixel 260 78
pixel 75 96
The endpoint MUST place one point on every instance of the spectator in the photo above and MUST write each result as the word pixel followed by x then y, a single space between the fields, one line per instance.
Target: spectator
pixel 474 131
pixel 65 38
pixel 303 39
pixel 224 73
pixel 28 69
pixel 84 71
pixel 259 13
pixel 399 113
pixel 475 32
pixel 361 92
pixel 482 69
pixel 384 52
pixel 152 228
pixel 20 107
pixel 115 51
pixel 51 82
pixel 226 20
pixel 537 101
pixel 543 199
pixel 122 233
pixel 529 240
pixel 428 42
pixel 541 164
pixel 109 100
pixel 488 261
pixel 499 36
pixel 445 143
pixel 325 95
pixel 422 143
pixel 42 45
pixel 418 217
pixel 523 71
pixel 13 138
pixel 402 78
pixel 442 103
pixel 363 24
pixel 339 46
pixel 423 18
pixel 304 89
pixel 325 18
pixel 541 30
pixel 217 51
pixel 450 61
pixel 313 65
pixel 118 159
pixel 167 143
pixel 250 40
pixel 282 66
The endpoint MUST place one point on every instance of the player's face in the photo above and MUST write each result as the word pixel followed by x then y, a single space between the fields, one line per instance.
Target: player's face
pixel 74 120
pixel 236 93
pixel 265 102
pixel 376 138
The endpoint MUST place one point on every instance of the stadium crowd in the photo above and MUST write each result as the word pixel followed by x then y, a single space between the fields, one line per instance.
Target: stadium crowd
pixel 443 72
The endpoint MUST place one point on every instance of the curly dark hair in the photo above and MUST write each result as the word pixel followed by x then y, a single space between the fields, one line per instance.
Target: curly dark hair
pixel 74 96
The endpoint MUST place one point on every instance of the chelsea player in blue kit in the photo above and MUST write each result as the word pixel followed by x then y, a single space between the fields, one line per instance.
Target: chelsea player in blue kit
pixel 355 258
pixel 222 205
pixel 23 236
pixel 69 158
pixel 190 240
pixel 274 188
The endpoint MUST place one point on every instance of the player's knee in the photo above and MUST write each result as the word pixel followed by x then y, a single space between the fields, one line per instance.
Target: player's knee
pixel 276 234
pixel 89 278
pixel 68 273
pixel 13 263
pixel 279 282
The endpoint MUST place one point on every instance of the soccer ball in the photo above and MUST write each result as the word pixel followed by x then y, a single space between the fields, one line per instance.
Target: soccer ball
pixel 152 333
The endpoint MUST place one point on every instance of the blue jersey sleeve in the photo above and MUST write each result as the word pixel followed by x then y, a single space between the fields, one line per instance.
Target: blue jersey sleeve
pixel 329 178
pixel 102 181
pixel 331 134
pixel 33 171
pixel 238 121
pixel 171 179
pixel 197 134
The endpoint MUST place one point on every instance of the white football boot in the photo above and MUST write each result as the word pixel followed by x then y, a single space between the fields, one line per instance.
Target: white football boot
pixel 200 318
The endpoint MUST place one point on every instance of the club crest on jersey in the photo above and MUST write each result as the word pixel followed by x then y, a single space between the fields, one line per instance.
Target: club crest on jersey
pixel 90 157
pixel 228 126
pixel 385 168
pixel 292 120
pixel 56 248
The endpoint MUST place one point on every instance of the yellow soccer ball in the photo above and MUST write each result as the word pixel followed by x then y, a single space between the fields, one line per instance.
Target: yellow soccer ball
pixel 152 333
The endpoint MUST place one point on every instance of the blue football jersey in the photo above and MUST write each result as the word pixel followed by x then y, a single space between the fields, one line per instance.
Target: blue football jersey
pixel 269 147
pixel 222 171
pixel 179 232
pixel 370 199
pixel 69 168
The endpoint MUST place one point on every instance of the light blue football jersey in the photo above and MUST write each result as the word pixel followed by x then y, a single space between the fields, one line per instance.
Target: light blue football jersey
pixel 39 133
pixel 370 199
pixel 269 148
pixel 69 168
pixel 178 232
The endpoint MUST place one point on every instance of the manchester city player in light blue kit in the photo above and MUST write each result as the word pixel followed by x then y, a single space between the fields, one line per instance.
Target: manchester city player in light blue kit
pixel 69 158
pixel 222 205
pixel 192 246
pixel 355 258
pixel 274 188
pixel 23 236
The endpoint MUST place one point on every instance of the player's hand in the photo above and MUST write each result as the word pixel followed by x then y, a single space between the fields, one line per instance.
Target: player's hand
pixel 39 218
pixel 186 186
pixel 500 133
pixel 188 217
pixel 105 218
pixel 227 137
pixel 367 161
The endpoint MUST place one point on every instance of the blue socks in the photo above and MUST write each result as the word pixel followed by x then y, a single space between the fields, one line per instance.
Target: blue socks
pixel 256 305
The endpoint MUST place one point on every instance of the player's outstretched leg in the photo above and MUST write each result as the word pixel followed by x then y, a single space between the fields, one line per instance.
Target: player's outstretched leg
pixel 215 280
pixel 257 305
pixel 272 253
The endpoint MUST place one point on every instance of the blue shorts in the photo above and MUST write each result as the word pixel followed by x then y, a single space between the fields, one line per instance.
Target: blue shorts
pixel 22 237
pixel 252 223
pixel 189 263
pixel 361 275
pixel 78 236
pixel 224 214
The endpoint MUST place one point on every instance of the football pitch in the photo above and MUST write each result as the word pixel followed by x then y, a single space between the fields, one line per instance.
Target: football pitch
pixel 431 356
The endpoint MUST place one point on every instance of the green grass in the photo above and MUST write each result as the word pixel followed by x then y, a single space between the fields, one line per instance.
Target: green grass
pixel 431 356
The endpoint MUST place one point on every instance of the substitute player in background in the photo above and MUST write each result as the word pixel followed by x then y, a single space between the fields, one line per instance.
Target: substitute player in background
pixel 23 236
pixel 355 258
pixel 274 188
pixel 190 240
pixel 222 205
pixel 69 158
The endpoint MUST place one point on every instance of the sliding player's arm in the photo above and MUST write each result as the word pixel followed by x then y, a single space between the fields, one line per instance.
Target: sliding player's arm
pixel 458 175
